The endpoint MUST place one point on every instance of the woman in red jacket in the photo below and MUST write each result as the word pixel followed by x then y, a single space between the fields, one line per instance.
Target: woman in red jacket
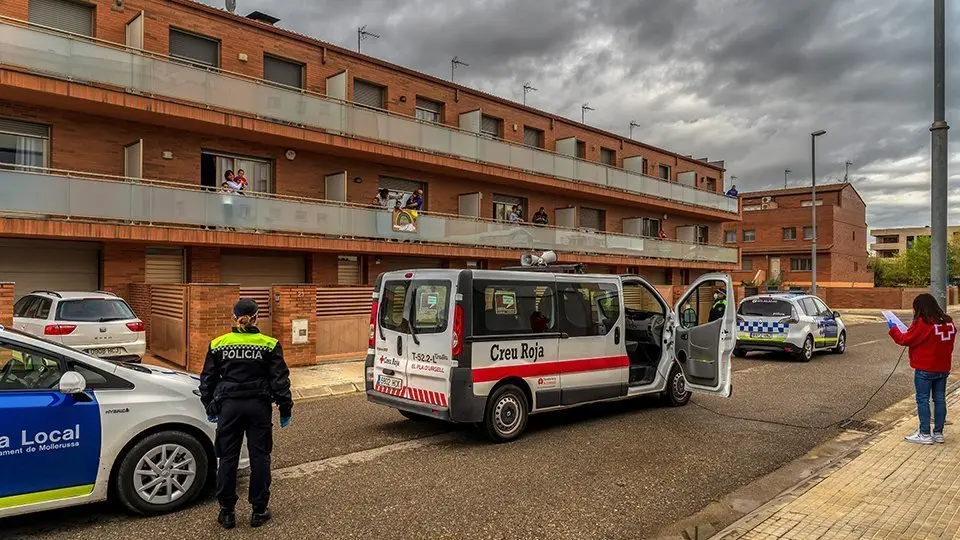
pixel 930 339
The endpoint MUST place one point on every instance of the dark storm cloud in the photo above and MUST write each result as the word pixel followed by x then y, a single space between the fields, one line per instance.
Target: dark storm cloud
pixel 741 80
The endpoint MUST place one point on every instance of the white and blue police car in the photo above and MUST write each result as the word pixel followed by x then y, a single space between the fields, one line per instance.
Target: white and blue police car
pixel 76 429
pixel 797 324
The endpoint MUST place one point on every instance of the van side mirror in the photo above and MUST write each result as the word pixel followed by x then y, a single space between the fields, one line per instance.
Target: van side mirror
pixel 72 383
pixel 836 314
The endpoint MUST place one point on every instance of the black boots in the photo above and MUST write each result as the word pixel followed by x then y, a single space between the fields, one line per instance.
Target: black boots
pixel 227 518
pixel 259 517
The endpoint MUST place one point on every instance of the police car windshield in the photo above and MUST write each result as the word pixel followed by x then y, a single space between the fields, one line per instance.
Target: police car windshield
pixel 765 307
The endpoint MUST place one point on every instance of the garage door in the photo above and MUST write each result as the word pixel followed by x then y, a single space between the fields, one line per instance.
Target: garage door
pixel 392 264
pixel 262 270
pixel 50 265
pixel 164 265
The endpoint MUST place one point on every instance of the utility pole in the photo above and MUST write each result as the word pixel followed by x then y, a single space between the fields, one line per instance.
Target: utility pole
pixel 846 172
pixel 785 173
pixel 527 88
pixel 938 163
pixel 453 65
pixel 813 207
pixel 633 124
pixel 362 34
pixel 583 112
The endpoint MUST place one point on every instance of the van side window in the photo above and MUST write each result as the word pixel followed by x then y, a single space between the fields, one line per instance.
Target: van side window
pixel 703 305
pixel 392 300
pixel 426 302
pixel 502 308
pixel 588 308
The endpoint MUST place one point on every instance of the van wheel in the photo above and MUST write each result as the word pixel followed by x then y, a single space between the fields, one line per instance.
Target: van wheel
pixel 676 394
pixel 162 473
pixel 413 416
pixel 806 352
pixel 841 344
pixel 506 415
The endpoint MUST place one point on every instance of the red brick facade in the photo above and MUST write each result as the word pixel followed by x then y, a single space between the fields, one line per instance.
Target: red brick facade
pixel 296 302
pixel 209 314
pixel 6 304
pixel 123 264
pixel 138 296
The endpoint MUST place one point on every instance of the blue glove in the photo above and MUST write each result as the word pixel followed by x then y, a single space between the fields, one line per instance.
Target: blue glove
pixel 284 421
pixel 891 324
pixel 212 419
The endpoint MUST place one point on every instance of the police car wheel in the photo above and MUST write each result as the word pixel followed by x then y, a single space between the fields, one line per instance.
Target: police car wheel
pixel 161 473
pixel 841 344
pixel 413 416
pixel 806 352
pixel 739 353
pixel 676 393
pixel 506 415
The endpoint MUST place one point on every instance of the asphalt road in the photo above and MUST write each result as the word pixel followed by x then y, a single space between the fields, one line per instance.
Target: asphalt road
pixel 621 470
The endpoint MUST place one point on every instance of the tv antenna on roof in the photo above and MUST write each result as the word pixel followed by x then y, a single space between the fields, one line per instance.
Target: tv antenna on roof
pixel 362 34
pixel 527 87
pixel 456 61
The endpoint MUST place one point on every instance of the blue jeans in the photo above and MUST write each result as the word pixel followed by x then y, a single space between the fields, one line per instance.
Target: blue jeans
pixel 927 383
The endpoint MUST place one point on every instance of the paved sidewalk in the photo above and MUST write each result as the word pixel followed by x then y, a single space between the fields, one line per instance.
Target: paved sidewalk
pixel 329 379
pixel 892 489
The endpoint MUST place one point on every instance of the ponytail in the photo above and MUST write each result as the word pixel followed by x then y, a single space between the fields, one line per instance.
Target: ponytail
pixel 246 321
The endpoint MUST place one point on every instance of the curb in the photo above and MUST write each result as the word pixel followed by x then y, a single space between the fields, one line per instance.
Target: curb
pixel 327 390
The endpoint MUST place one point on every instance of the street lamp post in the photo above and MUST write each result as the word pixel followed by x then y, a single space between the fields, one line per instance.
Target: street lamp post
pixel 813 206
pixel 938 164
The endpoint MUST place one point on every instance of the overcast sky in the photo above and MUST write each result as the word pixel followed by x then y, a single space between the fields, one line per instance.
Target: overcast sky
pixel 745 81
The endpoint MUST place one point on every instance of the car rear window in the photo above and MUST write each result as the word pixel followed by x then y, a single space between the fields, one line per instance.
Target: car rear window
pixel 765 307
pixel 94 310
pixel 425 302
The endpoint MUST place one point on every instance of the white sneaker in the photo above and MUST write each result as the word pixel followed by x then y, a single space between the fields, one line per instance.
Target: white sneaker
pixel 938 438
pixel 919 438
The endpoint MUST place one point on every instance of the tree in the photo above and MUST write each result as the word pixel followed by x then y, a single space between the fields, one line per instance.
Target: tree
pixel 912 268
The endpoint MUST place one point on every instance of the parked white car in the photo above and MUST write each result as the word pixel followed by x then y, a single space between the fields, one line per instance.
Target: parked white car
pixel 797 324
pixel 100 324
pixel 74 428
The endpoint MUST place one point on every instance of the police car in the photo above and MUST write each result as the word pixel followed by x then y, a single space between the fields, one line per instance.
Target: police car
pixel 75 429
pixel 797 324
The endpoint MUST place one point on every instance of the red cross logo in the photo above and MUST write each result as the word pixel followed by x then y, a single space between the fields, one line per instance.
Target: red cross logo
pixel 945 331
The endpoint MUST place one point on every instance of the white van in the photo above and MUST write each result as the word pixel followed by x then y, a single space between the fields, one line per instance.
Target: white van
pixel 494 346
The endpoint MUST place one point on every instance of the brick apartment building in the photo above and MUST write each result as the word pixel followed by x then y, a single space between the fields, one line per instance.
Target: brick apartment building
pixel 889 243
pixel 775 237
pixel 118 120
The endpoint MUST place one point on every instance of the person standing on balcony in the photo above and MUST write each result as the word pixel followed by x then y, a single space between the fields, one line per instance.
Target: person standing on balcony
pixel 241 179
pixel 415 202
pixel 515 216
pixel 732 192
pixel 661 234
pixel 243 373
pixel 229 187
pixel 382 199
pixel 540 217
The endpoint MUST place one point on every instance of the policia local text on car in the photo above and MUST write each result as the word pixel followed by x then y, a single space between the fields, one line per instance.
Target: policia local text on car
pixel 244 371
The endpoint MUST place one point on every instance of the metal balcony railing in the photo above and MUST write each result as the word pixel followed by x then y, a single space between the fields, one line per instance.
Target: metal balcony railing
pixel 71 195
pixel 84 59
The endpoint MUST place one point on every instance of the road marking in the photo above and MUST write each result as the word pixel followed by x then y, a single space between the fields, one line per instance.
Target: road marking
pixel 363 456
pixel 866 343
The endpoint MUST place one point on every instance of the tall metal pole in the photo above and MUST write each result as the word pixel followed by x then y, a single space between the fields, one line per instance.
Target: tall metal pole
pixel 813 207
pixel 785 173
pixel 938 164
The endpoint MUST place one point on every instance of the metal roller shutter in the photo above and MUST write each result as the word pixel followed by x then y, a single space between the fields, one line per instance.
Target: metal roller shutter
pixel 9 125
pixel 368 94
pixel 50 265
pixel 399 184
pixel 262 270
pixel 533 137
pixel 63 15
pixel 591 219
pixel 286 72
pixel 348 270
pixel 392 264
pixel 490 126
pixel 164 265
pixel 195 48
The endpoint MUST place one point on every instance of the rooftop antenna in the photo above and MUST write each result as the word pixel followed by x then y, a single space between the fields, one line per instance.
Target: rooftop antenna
pixel 633 124
pixel 846 172
pixel 583 112
pixel 231 5
pixel 362 34
pixel 453 65
pixel 527 88
pixel 785 173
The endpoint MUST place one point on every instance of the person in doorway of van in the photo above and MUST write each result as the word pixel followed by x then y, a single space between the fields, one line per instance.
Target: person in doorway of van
pixel 719 305
pixel 243 373
pixel 930 340
pixel 540 217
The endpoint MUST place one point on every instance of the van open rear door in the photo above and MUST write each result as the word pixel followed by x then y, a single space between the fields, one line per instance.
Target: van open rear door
pixel 705 335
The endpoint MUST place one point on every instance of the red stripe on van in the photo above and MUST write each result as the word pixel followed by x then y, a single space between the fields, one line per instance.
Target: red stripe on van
pixel 540 369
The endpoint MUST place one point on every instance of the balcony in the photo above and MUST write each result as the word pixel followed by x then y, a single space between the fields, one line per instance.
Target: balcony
pixel 90 197
pixel 82 59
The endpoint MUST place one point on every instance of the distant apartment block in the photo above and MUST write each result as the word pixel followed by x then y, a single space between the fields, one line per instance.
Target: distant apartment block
pixel 889 243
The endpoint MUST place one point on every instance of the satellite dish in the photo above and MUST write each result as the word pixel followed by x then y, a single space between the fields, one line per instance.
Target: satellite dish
pixel 231 5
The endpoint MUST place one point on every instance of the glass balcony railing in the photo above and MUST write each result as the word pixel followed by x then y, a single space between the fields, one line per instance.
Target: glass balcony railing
pixel 80 59
pixel 61 196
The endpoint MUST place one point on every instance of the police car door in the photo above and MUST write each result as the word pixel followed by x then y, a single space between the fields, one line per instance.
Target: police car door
pixel 828 329
pixel 49 441
pixel 703 344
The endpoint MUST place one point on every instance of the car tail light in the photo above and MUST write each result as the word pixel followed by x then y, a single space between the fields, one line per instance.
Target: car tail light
pixel 373 324
pixel 136 326
pixel 457 344
pixel 58 329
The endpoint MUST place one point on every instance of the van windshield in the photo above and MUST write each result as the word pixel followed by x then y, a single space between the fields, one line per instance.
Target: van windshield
pixel 424 302
pixel 766 307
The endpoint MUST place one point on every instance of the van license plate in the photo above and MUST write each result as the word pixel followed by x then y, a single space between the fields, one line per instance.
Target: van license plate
pixel 390 382
pixel 113 351
pixel 758 335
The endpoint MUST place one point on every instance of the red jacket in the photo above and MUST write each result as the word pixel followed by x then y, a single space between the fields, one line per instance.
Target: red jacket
pixel 931 345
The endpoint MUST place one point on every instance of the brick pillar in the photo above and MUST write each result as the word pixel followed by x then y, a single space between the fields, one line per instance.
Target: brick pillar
pixel 203 264
pixel 209 314
pixel 323 269
pixel 123 264
pixel 296 302
pixel 138 296
pixel 6 303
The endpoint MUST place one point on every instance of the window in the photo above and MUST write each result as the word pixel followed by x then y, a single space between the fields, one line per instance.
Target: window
pixel 194 48
pixel 401 189
pixel 282 71
pixel 809 308
pixel 22 369
pixel 512 308
pixel 23 144
pixel 789 233
pixel 608 157
pixel 808 233
pixel 94 310
pixel 257 171
pixel 698 307
pixel 747 265
pixel 752 207
pixel 729 236
pixel 75 17
pixel 503 205
pixel 807 203
pixel 638 298
pixel 581 150
pixel 97 379
pixel 822 308
pixel 665 172
pixel 765 307
pixel 533 137
pixel 490 125
pixel 429 111
pixel 702 234
pixel 711 184
pixel 801 264
pixel 426 300
pixel 651 227
pixel 32 307
pixel 588 308
pixel 368 94
pixel 591 219
pixel 749 236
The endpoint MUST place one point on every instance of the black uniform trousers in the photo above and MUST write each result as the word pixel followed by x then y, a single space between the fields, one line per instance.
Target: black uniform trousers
pixel 238 417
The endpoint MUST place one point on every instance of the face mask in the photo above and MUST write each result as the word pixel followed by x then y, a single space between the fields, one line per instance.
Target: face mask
pixel 716 296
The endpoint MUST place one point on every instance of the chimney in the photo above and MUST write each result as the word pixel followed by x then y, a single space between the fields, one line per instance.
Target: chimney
pixel 263 17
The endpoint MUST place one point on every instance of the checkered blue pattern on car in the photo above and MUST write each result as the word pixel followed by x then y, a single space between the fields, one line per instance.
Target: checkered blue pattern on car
pixel 762 326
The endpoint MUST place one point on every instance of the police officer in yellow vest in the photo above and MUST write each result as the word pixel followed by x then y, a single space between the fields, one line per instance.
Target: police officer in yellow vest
pixel 719 305
pixel 243 373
